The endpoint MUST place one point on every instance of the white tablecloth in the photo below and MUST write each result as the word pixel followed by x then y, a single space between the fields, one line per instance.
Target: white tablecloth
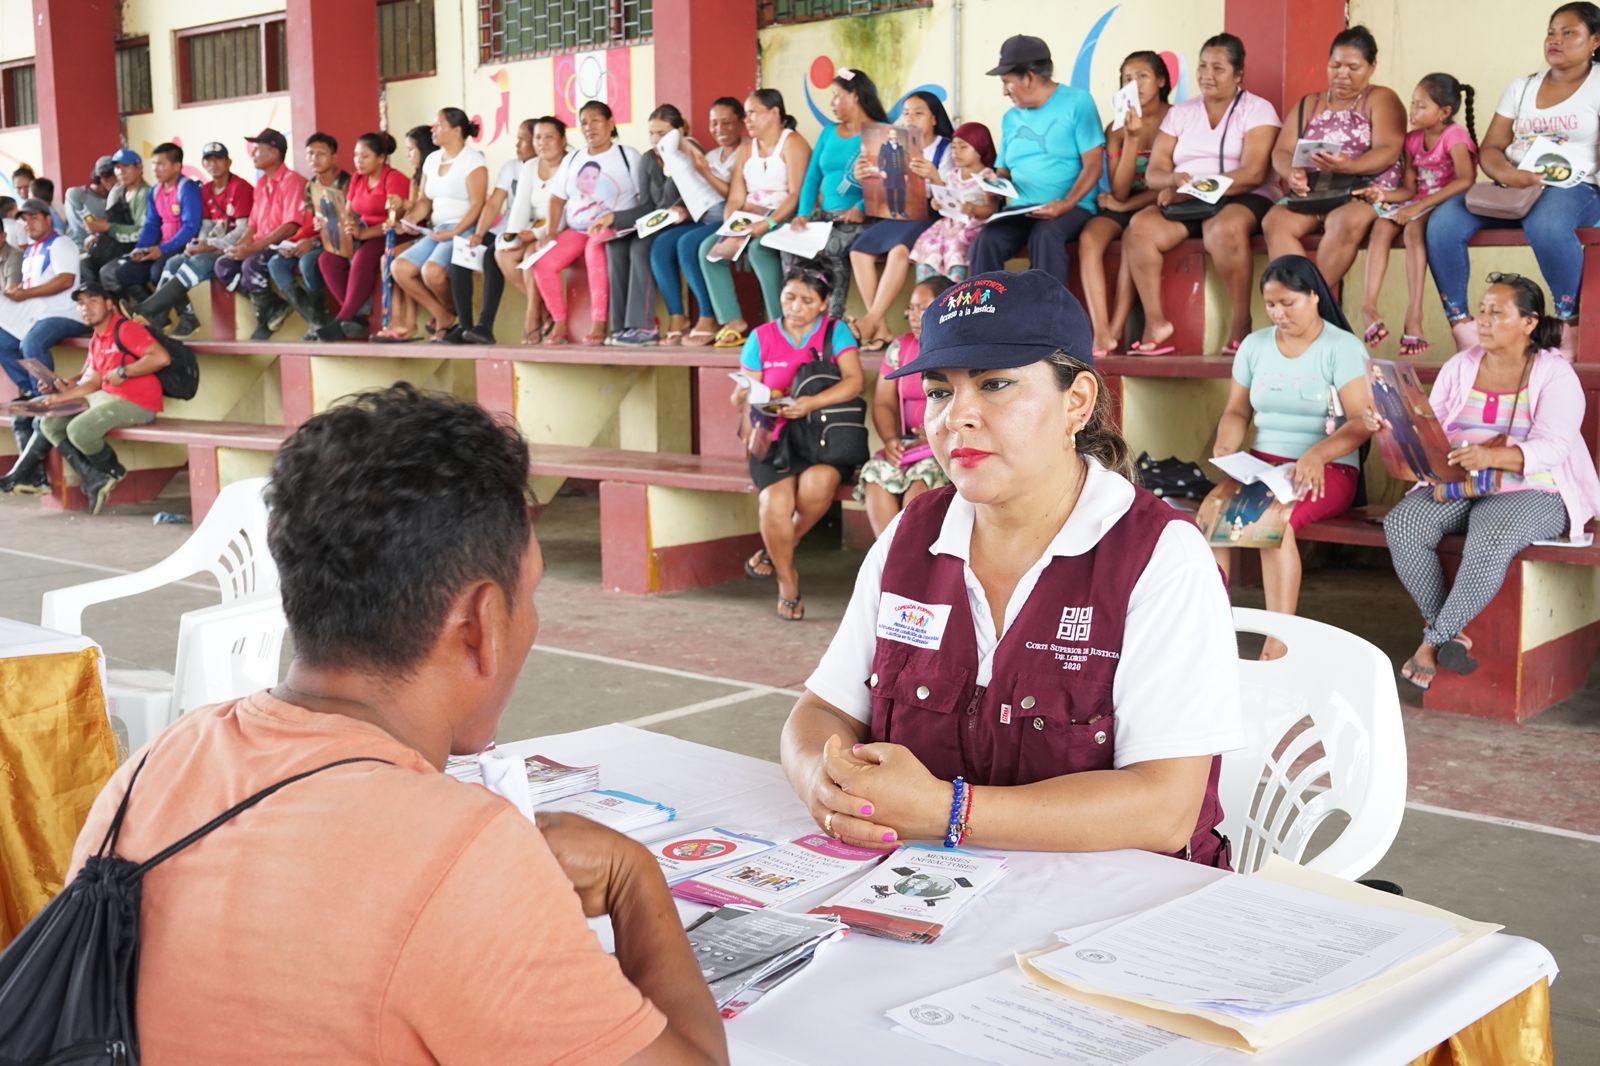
pixel 834 1011
pixel 19 638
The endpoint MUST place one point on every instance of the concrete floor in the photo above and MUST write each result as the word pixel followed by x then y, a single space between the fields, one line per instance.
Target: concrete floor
pixel 1504 823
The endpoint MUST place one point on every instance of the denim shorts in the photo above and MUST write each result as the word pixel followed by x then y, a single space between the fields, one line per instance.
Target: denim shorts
pixel 427 250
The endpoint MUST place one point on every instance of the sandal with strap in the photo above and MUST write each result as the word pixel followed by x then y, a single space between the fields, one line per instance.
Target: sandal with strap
pixel 1376 333
pixel 796 607
pixel 1419 675
pixel 728 337
pixel 693 338
pixel 1413 345
pixel 753 564
pixel 1454 655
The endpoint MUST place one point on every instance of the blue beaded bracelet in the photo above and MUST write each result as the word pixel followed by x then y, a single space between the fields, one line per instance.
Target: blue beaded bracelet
pixel 953 836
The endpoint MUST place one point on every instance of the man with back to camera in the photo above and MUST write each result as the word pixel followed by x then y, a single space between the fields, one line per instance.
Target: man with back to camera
pixel 389 913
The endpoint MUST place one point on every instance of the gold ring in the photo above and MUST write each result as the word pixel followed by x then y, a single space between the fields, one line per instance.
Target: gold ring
pixel 827 824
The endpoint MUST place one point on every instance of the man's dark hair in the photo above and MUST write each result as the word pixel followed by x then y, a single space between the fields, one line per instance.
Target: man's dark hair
pixel 326 139
pixel 42 189
pixel 8 207
pixel 383 509
pixel 173 153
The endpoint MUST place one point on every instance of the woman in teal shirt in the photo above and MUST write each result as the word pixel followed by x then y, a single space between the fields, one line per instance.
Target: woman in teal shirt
pixel 831 192
pixel 1302 381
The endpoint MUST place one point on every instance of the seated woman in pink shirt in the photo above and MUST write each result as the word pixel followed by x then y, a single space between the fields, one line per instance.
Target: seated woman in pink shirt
pixel 1512 408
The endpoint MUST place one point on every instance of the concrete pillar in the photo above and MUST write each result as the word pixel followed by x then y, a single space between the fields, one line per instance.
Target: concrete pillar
pixel 333 73
pixel 703 50
pixel 1286 46
pixel 75 62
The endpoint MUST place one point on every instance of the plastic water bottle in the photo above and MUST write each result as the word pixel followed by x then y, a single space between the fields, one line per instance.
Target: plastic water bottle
pixel 169 518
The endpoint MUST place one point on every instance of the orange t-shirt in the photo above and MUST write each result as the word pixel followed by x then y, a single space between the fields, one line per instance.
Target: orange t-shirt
pixel 373 914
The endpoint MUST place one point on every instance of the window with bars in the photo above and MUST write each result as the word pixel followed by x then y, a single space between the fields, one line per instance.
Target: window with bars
pixel 232 60
pixel 19 100
pixel 405 39
pixel 518 29
pixel 778 12
pixel 133 77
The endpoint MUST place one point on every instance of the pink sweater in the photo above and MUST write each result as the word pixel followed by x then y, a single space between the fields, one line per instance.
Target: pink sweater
pixel 1556 443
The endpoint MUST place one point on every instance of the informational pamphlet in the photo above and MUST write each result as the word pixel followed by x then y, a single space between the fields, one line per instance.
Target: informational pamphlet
pixel 1007 1019
pixel 774 877
pixel 729 248
pixel 916 893
pixel 1025 209
pixel 1124 100
pixel 656 221
pixel 1235 515
pixel 1247 470
pixel 1304 149
pixel 537 254
pixel 621 811
pixel 744 952
pixel 1000 187
pixel 1555 163
pixel 1210 188
pixel 703 850
pixel 699 195
pixel 806 243
pixel 738 224
pixel 527 783
pixel 463 254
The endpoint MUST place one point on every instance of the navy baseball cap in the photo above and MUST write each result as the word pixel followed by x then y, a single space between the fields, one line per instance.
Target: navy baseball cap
pixel 1002 320
pixel 126 157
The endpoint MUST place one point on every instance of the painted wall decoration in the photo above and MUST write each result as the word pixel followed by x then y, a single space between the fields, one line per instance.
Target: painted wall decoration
pixel 605 75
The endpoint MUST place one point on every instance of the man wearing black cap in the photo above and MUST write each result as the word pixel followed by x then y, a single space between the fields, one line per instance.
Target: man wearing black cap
pixel 277 214
pixel 1074 623
pixel 35 316
pixel 119 383
pixel 1051 145
pixel 89 201
pixel 225 203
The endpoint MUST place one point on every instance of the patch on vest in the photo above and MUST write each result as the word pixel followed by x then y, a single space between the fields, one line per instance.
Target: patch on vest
pixel 920 625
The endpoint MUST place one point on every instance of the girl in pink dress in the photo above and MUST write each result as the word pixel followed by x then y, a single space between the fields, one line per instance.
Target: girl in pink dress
pixel 943 247
pixel 1440 162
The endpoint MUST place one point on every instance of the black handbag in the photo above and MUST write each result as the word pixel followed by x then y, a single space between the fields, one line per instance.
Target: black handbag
pixel 1328 192
pixel 836 434
pixel 1196 210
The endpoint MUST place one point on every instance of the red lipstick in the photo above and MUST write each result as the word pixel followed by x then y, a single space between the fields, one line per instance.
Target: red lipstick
pixel 968 457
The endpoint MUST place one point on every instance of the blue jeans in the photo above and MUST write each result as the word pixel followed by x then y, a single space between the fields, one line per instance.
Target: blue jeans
pixel 1551 228
pixel 36 344
pixel 282 269
pixel 674 259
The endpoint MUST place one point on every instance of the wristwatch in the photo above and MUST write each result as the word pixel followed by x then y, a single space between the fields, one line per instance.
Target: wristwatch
pixel 122 372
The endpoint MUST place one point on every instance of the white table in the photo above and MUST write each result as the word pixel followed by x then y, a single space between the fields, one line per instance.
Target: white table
pixel 834 1011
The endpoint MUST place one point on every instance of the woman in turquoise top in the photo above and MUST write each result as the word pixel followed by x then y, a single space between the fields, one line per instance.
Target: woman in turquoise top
pixel 1302 381
pixel 831 192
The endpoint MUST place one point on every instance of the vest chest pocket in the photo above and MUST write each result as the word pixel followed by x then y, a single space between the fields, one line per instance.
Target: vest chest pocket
pixel 1060 729
pixel 916 702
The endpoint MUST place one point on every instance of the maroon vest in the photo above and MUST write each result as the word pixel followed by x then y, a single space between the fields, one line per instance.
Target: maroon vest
pixel 1047 710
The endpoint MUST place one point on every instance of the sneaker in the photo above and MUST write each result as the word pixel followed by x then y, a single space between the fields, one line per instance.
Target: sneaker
pixel 355 331
pixel 187 324
pixel 476 336
pixel 638 338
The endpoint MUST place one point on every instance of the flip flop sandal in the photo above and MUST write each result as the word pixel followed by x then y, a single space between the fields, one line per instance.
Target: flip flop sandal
pixel 1152 348
pixel 797 605
pixel 672 337
pixel 690 339
pixel 873 347
pixel 597 340
pixel 1376 334
pixel 729 338
pixel 1410 345
pixel 1454 656
pixel 1420 676
pixel 760 559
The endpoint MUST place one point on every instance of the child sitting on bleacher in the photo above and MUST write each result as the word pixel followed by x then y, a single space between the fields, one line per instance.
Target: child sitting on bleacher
pixel 943 249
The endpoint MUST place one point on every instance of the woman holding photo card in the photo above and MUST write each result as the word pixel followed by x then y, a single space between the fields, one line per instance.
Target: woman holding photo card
pixel 1040 656
pixel 1302 383
pixel 1513 412
pixel 529 222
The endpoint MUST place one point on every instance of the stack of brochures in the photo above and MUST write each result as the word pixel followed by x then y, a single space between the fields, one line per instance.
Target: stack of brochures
pixel 548 780
pixel 699 852
pixel 621 811
pixel 916 893
pixel 779 875
pixel 745 953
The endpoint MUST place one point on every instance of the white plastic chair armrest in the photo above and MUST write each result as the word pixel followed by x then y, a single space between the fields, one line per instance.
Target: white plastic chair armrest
pixel 62 609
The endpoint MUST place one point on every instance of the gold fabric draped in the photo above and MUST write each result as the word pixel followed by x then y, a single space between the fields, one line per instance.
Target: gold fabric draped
pixel 1518 1031
pixel 57 751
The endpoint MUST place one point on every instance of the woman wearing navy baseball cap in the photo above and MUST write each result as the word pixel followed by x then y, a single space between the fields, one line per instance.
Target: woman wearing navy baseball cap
pixel 1041 655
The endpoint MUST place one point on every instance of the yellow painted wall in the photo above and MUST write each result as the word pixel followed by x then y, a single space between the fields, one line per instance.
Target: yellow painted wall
pixel 1557 599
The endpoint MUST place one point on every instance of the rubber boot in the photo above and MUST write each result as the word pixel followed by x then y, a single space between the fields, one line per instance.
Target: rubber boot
pixel 188 322
pixel 305 305
pixel 268 307
pixel 28 473
pixel 99 473
pixel 157 309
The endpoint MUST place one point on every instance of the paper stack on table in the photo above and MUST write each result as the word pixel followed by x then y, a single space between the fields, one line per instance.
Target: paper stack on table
pixel 703 850
pixel 916 893
pixel 621 811
pixel 548 780
pixel 774 877
pixel 745 953
pixel 1249 962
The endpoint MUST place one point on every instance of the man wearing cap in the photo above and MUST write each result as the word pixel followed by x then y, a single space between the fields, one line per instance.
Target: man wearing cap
pixel 277 214
pixel 84 201
pixel 35 316
pixel 1051 145
pixel 114 236
pixel 225 203
pixel 171 223
pixel 1040 656
pixel 119 383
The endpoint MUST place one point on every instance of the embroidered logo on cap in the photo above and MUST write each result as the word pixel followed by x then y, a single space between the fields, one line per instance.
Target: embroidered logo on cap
pixel 971 298
pixel 1075 623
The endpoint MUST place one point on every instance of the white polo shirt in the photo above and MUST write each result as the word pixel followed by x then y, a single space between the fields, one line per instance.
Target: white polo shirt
pixel 42 261
pixel 1176 689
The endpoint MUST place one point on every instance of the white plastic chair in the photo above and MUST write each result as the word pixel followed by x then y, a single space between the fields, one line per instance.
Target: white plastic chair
pixel 1323 735
pixel 231 545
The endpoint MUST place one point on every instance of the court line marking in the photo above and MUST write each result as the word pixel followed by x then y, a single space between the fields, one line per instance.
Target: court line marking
pixel 1509 823
pixel 696 708
pixel 37 557
pixel 667 670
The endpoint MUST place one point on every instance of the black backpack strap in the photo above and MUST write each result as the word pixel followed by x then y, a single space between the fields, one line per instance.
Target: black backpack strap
pixel 234 811
pixel 108 846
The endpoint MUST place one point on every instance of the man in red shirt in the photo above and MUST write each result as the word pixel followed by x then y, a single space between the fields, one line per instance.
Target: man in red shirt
pixel 225 203
pixel 277 215
pixel 120 386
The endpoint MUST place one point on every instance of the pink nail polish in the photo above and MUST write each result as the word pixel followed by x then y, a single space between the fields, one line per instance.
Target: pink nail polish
pixel 888 838
pixel 858 747
pixel 866 812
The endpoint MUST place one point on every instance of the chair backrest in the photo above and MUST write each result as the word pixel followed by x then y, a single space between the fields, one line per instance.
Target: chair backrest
pixel 1323 735
pixel 227 651
pixel 231 545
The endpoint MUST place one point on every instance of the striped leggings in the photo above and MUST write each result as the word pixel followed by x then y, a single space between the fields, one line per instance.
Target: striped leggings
pixel 1497 528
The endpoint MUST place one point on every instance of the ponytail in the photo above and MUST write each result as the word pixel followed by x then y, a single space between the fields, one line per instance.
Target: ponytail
pixel 774 99
pixel 1529 299
pixel 1098 439
pixel 457 119
pixel 1445 90
pixel 1468 93
pixel 379 143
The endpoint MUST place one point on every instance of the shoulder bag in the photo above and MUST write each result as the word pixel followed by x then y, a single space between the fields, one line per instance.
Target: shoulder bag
pixel 1493 200
pixel 1196 210
pixel 837 434
pixel 1485 482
